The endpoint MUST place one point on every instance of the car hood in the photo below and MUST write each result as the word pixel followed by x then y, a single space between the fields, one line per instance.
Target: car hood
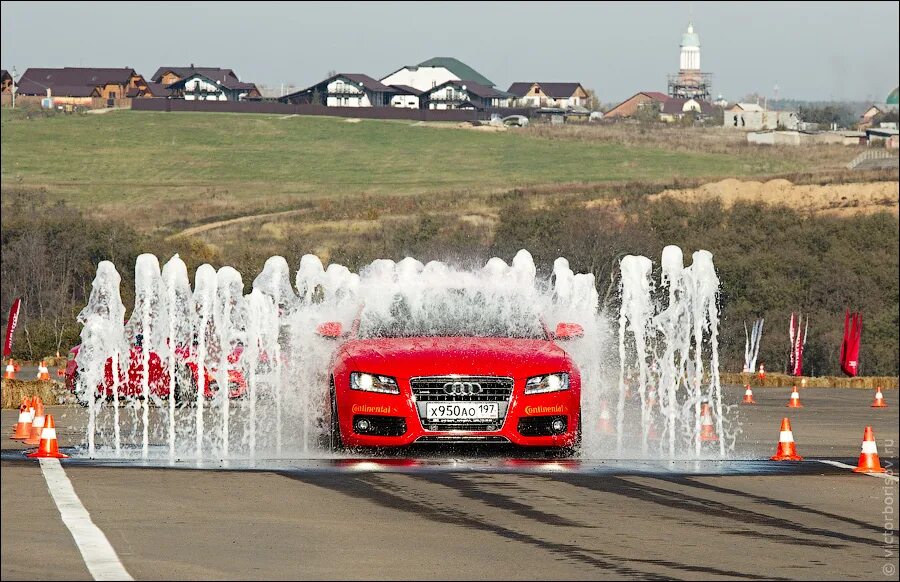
pixel 437 356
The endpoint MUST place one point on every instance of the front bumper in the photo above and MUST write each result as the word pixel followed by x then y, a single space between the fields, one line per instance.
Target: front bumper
pixel 395 420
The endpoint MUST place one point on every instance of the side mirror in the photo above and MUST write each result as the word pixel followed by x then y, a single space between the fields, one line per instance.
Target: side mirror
pixel 568 331
pixel 330 329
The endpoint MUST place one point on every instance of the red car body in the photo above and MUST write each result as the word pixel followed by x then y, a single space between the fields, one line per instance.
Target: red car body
pixel 131 385
pixel 436 369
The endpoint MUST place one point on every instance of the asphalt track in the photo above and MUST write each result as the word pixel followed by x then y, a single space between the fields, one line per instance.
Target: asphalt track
pixel 484 516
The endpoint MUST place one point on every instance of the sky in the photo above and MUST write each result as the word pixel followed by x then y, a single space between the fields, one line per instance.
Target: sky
pixel 811 51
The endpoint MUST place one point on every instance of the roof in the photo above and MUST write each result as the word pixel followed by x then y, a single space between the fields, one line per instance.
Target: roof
pixel 458 68
pixel 472 87
pixel 220 77
pixel 675 106
pixel 29 87
pixel 75 76
pixel 406 89
pixel 552 90
pixel 212 72
pixel 5 74
pixel 358 78
pixel 747 107
pixel 893 97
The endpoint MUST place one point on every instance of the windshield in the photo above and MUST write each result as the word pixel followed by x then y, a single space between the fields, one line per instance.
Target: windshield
pixel 451 313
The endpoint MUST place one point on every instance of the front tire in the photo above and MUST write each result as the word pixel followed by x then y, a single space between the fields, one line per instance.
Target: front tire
pixel 335 443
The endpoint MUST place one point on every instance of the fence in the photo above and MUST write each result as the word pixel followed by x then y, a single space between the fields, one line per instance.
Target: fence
pixel 182 105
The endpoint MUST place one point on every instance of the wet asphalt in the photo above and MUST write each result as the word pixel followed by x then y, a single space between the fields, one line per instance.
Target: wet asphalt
pixel 484 516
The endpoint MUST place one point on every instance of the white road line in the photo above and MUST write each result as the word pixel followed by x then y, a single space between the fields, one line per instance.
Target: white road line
pixel 99 556
pixel 846 466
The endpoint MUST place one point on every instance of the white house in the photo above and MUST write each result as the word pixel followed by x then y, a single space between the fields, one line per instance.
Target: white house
pixel 344 90
pixel 207 87
pixel 463 95
pixel 405 97
pixel 435 71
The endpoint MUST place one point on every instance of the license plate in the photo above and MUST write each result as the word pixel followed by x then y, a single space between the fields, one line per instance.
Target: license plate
pixel 461 411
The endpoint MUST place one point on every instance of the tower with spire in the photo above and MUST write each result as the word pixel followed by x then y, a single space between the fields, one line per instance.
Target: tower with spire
pixel 690 82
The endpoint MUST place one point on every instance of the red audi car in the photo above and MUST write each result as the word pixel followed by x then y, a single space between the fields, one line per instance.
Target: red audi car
pixel 398 380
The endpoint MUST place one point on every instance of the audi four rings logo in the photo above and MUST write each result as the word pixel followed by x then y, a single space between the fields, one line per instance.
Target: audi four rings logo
pixel 462 388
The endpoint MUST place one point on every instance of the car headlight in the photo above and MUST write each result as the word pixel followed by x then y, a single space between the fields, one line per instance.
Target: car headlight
pixel 547 383
pixel 373 383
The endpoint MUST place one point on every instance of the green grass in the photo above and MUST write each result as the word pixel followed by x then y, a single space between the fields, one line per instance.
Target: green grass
pixel 140 159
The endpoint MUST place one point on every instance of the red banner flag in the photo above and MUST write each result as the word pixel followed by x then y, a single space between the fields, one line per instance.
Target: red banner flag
pixel 850 344
pixel 11 326
pixel 798 342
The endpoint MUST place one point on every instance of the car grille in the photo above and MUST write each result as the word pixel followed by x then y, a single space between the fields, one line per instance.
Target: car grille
pixel 431 389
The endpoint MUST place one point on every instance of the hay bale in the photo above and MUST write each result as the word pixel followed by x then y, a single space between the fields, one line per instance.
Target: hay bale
pixel 775 380
pixel 13 391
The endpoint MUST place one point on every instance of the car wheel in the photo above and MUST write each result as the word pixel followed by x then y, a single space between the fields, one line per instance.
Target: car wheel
pixel 334 432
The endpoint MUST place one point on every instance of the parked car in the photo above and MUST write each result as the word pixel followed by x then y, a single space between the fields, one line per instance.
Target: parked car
pixel 131 382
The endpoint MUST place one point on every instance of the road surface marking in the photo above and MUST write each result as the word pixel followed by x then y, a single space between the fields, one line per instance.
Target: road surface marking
pixel 99 556
pixel 846 466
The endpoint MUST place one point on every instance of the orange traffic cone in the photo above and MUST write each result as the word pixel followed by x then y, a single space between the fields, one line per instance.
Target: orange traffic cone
pixel 868 458
pixel 10 371
pixel 23 426
pixel 786 451
pixel 43 373
pixel 794 402
pixel 879 399
pixel 605 425
pixel 49 447
pixel 37 426
pixel 748 396
pixel 707 431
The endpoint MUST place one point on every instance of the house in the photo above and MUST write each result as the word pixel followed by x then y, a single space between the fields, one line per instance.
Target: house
pixel 562 95
pixel 757 120
pixel 7 81
pixel 742 107
pixel 169 75
pixel 80 82
pixel 212 86
pixel 151 90
pixel 406 97
pixel 433 72
pixel 676 108
pixel 638 102
pixel 345 90
pixel 458 94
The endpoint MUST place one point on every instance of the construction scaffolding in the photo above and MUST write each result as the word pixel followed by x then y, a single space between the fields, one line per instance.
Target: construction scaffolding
pixel 690 85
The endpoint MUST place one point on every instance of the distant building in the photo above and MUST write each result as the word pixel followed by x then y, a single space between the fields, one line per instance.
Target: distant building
pixel 344 90
pixel 169 75
pixel 674 109
pixel 867 119
pixel 636 103
pixel 81 82
pixel 743 107
pixel 690 82
pixel 212 87
pixel 562 95
pixel 435 71
pixel 6 81
pixel 758 119
pixel 458 94
pixel 406 97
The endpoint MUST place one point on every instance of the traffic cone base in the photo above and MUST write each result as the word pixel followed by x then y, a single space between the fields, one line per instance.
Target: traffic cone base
pixel 748 396
pixel 787 450
pixel 879 399
pixel 868 458
pixel 49 447
pixel 10 373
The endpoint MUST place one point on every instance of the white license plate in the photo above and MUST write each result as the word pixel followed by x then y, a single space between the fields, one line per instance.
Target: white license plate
pixel 461 411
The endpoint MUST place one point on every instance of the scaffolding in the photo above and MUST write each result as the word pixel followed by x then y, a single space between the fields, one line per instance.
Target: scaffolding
pixel 690 85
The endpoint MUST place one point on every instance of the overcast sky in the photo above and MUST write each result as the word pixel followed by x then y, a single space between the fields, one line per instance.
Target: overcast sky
pixel 815 51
